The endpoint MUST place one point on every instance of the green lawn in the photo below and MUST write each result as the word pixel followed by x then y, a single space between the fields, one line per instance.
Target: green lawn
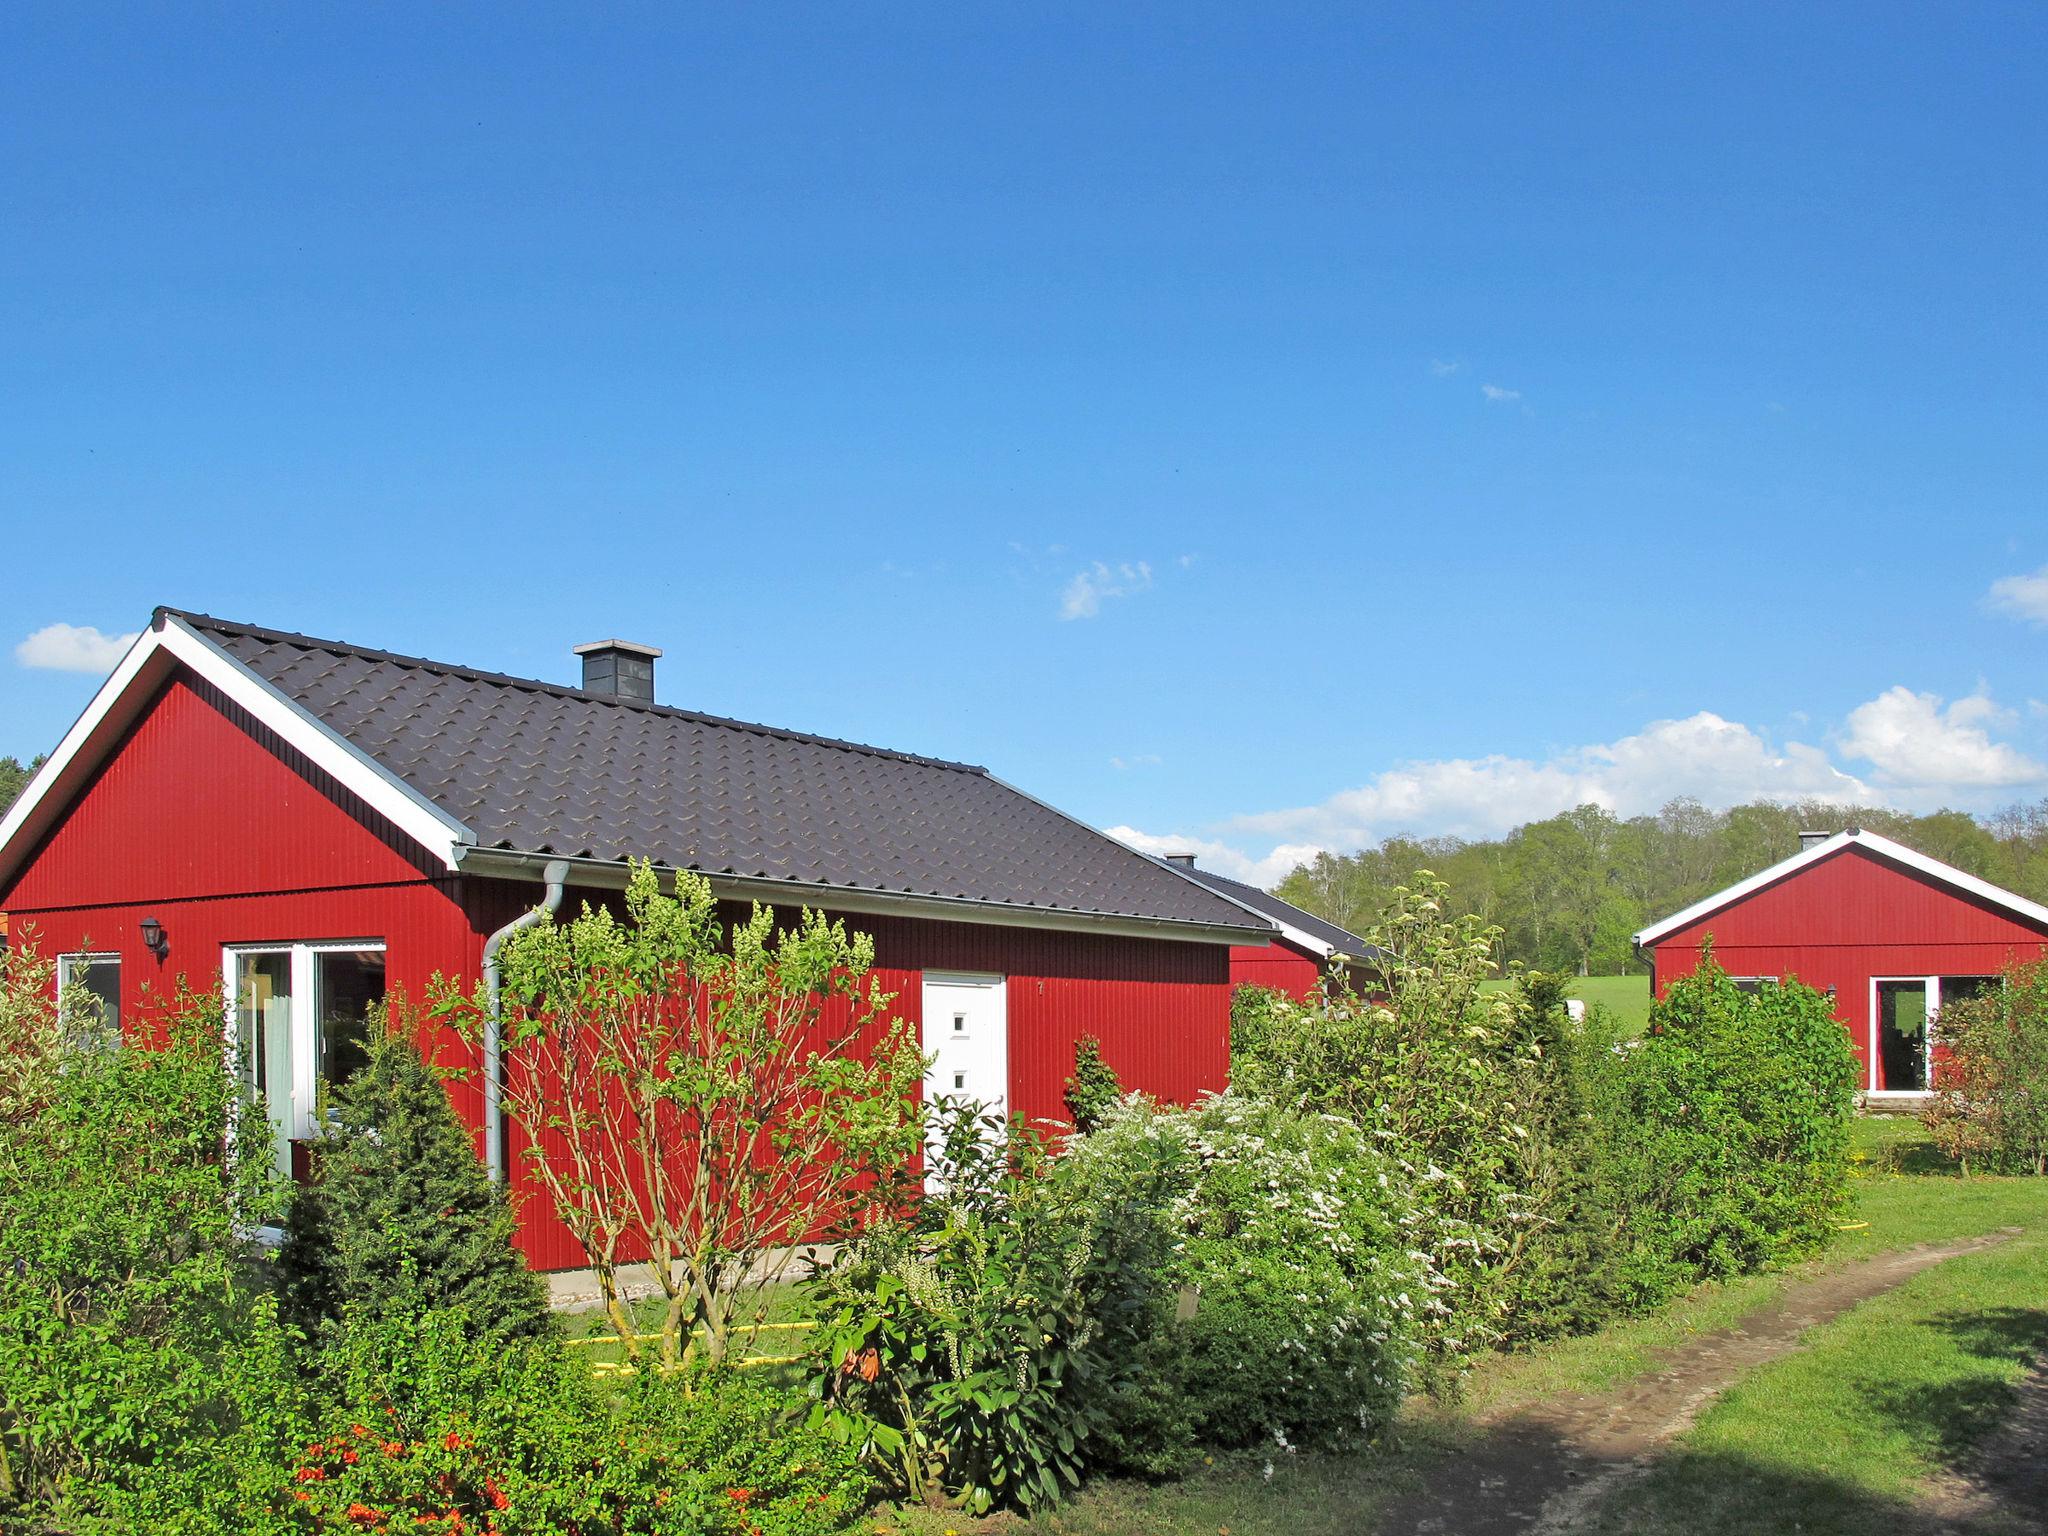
pixel 1824 1441
pixel 1626 997
pixel 1835 1438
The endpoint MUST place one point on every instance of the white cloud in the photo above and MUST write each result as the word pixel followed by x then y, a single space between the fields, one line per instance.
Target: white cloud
pixel 1086 592
pixel 73 648
pixel 1137 760
pixel 1912 740
pixel 1498 395
pixel 1924 754
pixel 1719 761
pixel 1221 857
pixel 2021 597
pixel 1443 369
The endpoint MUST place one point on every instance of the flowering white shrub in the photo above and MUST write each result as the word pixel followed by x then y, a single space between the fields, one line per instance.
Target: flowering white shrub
pixel 1275 1286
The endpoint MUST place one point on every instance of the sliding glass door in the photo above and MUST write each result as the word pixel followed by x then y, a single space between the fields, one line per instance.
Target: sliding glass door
pixel 1905 1019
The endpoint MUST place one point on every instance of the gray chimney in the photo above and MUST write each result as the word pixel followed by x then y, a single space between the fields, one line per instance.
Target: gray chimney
pixel 1812 839
pixel 620 668
pixel 1184 860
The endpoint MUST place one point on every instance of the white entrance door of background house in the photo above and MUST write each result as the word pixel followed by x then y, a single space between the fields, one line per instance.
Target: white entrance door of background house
pixel 967 1037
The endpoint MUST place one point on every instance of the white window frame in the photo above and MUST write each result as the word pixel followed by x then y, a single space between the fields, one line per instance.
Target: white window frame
pixel 87 959
pixel 305 1085
pixel 1775 981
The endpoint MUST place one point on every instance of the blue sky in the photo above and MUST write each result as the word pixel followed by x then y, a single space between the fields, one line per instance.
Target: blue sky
pixel 1257 429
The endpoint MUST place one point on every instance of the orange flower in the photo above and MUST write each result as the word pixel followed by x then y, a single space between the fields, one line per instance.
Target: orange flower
pixel 312 1474
pixel 454 1442
pixel 350 1458
pixel 739 1495
pixel 362 1514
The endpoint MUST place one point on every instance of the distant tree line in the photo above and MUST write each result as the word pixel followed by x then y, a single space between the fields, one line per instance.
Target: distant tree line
pixel 14 776
pixel 1569 892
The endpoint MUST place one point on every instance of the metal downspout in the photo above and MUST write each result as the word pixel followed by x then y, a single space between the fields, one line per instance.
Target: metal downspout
pixel 557 877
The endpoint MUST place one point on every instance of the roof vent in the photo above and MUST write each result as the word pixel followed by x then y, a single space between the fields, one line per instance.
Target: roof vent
pixel 1813 839
pixel 620 668
pixel 1184 860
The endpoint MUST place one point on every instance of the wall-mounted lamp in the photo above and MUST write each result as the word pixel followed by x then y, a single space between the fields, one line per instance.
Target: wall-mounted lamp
pixel 153 938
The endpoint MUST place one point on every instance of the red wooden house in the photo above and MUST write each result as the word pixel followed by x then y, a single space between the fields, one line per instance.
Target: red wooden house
pixel 1890 934
pixel 1305 949
pixel 307 825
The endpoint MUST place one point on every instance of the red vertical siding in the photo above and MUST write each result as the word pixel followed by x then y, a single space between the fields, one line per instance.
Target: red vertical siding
pixel 1279 965
pixel 1160 1008
pixel 199 800
pixel 1845 920
pixel 207 822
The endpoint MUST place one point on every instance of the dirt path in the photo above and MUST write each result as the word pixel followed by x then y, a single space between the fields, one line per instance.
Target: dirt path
pixel 1543 1470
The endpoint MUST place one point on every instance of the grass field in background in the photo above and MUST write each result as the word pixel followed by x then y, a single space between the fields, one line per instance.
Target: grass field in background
pixel 1626 997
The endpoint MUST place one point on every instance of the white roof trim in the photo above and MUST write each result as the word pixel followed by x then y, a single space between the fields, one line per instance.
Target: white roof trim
pixel 133 683
pixel 1934 869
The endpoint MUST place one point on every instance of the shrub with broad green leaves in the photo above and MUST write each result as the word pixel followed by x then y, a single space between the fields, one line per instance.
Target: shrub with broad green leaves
pixel 126 1191
pixel 1232 1274
pixel 1730 1132
pixel 956 1346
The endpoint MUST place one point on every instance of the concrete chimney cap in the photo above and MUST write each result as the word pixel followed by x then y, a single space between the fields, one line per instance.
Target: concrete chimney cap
pixel 631 647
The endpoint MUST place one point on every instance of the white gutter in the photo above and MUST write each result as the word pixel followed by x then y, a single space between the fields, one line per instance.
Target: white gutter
pixel 556 875
pixel 611 874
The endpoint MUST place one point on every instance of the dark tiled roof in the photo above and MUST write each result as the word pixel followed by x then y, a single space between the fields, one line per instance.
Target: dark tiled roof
pixel 1342 940
pixel 537 768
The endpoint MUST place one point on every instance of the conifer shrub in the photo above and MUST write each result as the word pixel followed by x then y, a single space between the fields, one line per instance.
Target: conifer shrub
pixel 401 1218
pixel 1559 1259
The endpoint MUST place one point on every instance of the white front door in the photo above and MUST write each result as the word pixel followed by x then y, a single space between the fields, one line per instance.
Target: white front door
pixel 967 1037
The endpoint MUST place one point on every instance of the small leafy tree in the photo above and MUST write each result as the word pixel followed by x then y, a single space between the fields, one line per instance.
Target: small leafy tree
pixel 31 1034
pixel 1991 1076
pixel 708 1098
pixel 401 1219
pixel 1094 1090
